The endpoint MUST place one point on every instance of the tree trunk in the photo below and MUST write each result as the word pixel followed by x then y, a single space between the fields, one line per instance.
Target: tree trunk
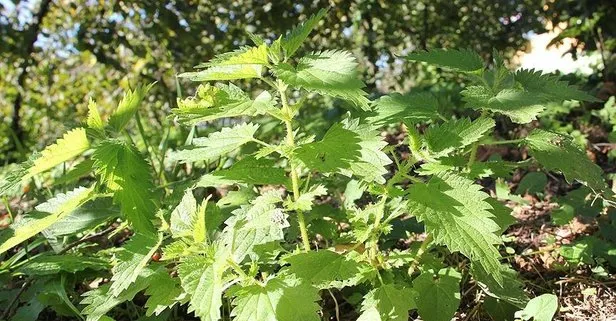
pixel 29 40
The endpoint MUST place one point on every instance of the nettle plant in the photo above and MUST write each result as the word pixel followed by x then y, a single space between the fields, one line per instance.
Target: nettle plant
pixel 304 216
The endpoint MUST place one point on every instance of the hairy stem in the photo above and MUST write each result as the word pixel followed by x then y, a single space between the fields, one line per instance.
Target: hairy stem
pixel 294 177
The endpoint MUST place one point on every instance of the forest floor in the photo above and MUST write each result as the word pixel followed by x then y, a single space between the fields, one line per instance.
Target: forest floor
pixel 583 295
pixel 533 243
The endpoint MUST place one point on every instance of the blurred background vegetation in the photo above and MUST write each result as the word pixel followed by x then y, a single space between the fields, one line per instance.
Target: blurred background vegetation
pixel 56 54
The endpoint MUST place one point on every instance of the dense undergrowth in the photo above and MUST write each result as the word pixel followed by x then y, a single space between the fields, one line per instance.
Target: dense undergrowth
pixel 394 209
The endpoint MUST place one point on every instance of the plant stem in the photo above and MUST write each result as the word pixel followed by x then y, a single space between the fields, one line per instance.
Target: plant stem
pixel 378 274
pixel 145 142
pixel 503 142
pixel 420 252
pixel 294 177
pixel 258 141
pixel 15 299
pixel 475 146
pixel 87 238
pixel 336 306
pixel 245 277
pixel 6 203
pixel 269 82
pixel 471 159
pixel 237 269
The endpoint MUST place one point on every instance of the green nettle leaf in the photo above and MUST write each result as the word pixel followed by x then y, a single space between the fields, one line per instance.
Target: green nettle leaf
pixel 455 211
pixel 461 60
pixel 511 290
pixel 499 310
pixel 523 104
pixel 233 199
pixel 581 200
pixel 201 278
pixel 520 106
pixel 243 56
pixel 132 259
pixel 437 294
pixel 54 264
pixel 353 191
pixel 541 308
pixel 53 293
pixel 189 220
pixel 274 52
pixel 265 103
pixel 490 168
pixel 277 300
pixel 371 165
pixel 128 107
pixel 294 38
pixel 99 301
pixel 84 217
pixel 128 175
pixel 260 223
pixel 327 155
pixel 305 200
pixel 94 121
pixel 256 39
pixel 548 87
pixel 324 269
pixel 445 138
pixel 438 166
pixel 72 144
pixel 329 73
pixel 495 168
pixel 175 250
pixel 388 303
pixel 217 144
pixel 221 101
pixel 532 183
pixel 43 217
pixel 249 170
pixel 363 220
pixel 11 180
pixel 502 215
pixel 163 293
pixel 560 153
pixel 583 251
pixel 184 216
pixel 29 311
pixel 225 72
pixel 410 108
pixel 499 77
pixel 234 136
pixel 563 215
